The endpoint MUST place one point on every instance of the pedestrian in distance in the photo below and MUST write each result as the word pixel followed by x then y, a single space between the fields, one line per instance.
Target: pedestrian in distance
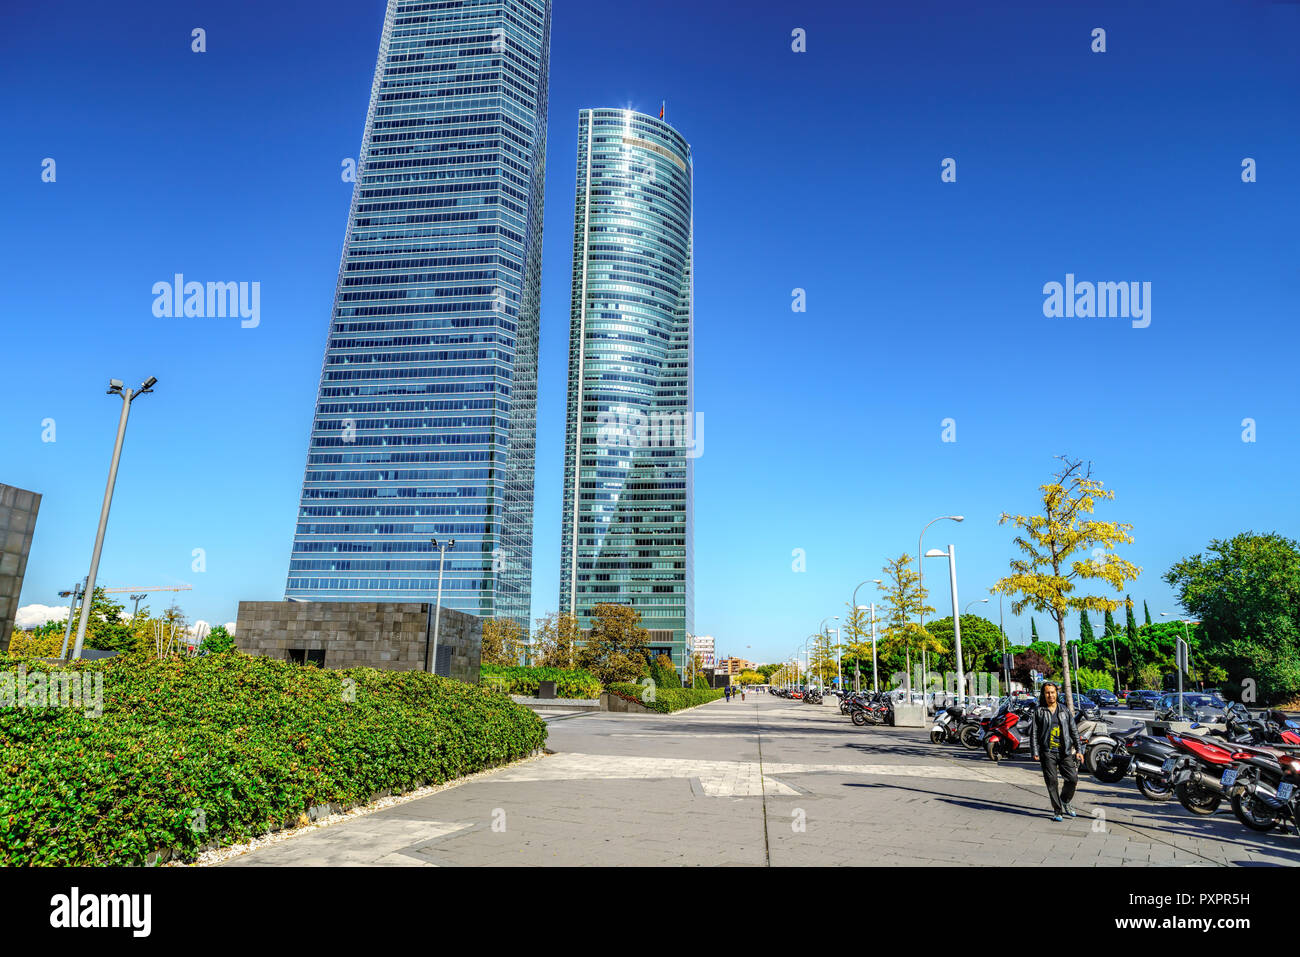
pixel 742 692
pixel 1054 742
pixel 727 691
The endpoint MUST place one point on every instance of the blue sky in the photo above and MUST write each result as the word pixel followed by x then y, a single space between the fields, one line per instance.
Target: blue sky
pixel 816 170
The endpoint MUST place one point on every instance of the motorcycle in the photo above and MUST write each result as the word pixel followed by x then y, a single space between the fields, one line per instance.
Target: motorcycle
pixel 1095 740
pixel 1264 789
pixel 1000 737
pixel 1144 756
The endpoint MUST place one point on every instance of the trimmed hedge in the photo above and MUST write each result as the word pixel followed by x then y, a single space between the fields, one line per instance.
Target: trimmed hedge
pixel 666 700
pixel 190 753
pixel 569 683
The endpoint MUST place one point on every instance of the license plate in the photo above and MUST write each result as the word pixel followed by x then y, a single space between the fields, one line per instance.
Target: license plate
pixel 1229 777
pixel 1168 765
pixel 1284 791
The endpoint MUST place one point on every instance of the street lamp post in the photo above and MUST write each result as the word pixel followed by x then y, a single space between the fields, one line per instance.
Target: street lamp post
pixel 951 555
pixel 1187 638
pixel 127 396
pixel 437 614
pixel 78 590
pixel 920 583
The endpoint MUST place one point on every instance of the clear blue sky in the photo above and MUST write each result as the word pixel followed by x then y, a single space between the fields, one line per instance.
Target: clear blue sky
pixel 817 170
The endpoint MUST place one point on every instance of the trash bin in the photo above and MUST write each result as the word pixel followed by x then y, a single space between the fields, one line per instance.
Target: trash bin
pixel 546 689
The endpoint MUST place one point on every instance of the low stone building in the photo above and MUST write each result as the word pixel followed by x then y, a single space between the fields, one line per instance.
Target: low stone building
pixel 392 636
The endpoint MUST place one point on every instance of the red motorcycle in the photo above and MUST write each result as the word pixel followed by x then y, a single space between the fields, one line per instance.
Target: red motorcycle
pixel 1000 733
pixel 1198 770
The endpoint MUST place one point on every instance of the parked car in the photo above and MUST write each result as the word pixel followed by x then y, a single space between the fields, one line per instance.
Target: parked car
pixel 1103 697
pixel 1141 699
pixel 1194 706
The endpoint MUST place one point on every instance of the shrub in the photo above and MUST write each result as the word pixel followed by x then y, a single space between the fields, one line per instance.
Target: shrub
pixel 569 683
pixel 665 700
pixel 1096 678
pixel 190 752
pixel 701 683
pixel 29 645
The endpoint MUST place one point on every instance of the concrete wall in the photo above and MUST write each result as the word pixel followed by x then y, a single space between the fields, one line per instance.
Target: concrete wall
pixel 391 636
pixel 18 508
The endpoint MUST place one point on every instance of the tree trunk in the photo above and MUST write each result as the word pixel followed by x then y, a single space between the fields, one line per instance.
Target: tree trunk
pixel 1065 662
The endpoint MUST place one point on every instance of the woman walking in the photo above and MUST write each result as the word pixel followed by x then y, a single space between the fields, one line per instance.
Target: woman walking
pixel 1054 741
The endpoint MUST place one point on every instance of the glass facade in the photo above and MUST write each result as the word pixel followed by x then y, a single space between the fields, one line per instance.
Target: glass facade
pixel 631 438
pixel 425 423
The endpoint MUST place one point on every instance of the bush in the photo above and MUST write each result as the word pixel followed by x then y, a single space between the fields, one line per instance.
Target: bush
pixel 665 700
pixel 1096 678
pixel 569 683
pixel 701 683
pixel 190 752
pixel 28 645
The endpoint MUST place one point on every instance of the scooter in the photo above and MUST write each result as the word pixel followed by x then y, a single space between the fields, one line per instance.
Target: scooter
pixel 1095 739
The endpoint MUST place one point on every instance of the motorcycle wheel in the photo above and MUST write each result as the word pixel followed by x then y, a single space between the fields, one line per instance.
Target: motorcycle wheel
pixel 1152 791
pixel 1097 756
pixel 1109 771
pixel 859 718
pixel 1248 811
pixel 970 737
pixel 991 749
pixel 1197 799
pixel 936 737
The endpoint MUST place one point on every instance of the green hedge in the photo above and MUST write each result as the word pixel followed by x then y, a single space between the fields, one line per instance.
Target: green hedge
pixel 193 752
pixel 666 700
pixel 569 683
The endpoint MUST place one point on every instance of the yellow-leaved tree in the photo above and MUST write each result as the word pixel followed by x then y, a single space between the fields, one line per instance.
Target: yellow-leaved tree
pixel 904 599
pixel 1063 548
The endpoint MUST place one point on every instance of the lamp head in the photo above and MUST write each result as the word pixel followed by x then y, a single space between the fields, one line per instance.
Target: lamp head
pixel 936 553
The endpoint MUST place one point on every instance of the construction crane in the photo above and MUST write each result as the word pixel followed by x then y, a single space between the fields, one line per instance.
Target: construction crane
pixel 139 593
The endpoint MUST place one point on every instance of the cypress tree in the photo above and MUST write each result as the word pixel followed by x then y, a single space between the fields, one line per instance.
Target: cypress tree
pixel 1130 622
pixel 1110 628
pixel 1146 611
pixel 1033 630
pixel 1085 627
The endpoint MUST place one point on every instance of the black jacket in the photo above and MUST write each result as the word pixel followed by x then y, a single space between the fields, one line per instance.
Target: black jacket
pixel 1041 736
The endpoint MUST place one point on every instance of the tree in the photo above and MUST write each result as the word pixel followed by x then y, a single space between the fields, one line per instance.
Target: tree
pixel 1047 577
pixel 1085 627
pixel 1110 628
pixel 1033 631
pixel 750 678
pixel 981 641
pixel 1146 611
pixel 1246 593
pixel 107 629
pixel 616 648
pixel 904 599
pixel 555 640
pixel 503 642
pixel 217 640
pixel 1023 664
pixel 1130 620
pixel 857 629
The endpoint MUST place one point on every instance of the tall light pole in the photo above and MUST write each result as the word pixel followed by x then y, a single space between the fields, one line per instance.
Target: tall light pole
pixel 978 601
pixel 136 610
pixel 821 631
pixel 951 555
pixel 78 590
pixel 437 615
pixel 127 396
pixel 920 583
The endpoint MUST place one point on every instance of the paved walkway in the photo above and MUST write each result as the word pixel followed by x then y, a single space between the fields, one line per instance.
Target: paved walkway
pixel 770 782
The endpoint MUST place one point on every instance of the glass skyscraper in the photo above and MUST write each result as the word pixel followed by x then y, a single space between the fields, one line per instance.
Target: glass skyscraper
pixel 631 436
pixel 425 423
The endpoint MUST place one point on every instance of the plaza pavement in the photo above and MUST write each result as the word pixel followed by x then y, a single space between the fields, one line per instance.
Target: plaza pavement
pixel 771 782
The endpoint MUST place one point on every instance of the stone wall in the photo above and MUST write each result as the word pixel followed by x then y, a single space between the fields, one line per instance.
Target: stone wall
pixel 391 636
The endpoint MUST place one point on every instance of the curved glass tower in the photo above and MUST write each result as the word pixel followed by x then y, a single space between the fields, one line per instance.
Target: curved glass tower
pixel 631 436
pixel 425 424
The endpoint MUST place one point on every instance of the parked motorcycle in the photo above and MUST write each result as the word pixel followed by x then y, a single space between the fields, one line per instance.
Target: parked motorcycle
pixel 1006 730
pixel 1144 756
pixel 1264 789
